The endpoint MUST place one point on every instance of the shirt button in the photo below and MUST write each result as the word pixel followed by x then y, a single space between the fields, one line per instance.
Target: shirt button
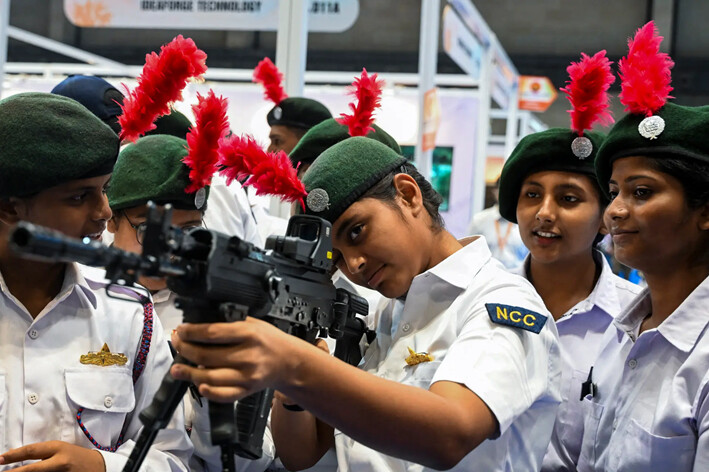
pixel 406 327
pixel 615 424
pixel 632 363
pixel 108 402
pixel 34 334
pixel 32 398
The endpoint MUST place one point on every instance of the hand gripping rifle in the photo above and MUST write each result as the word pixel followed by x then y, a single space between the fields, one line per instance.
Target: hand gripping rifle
pixel 223 279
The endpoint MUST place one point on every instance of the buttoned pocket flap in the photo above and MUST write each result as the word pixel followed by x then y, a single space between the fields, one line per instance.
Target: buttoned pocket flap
pixel 110 391
pixel 640 449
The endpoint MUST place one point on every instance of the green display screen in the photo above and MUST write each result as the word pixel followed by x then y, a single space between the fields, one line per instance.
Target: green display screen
pixel 440 172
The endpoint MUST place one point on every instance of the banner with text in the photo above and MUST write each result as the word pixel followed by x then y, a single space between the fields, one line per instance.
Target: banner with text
pixel 333 16
pixel 460 44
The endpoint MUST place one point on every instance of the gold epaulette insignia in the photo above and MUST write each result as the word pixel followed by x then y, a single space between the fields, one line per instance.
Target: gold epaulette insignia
pixel 103 358
pixel 416 358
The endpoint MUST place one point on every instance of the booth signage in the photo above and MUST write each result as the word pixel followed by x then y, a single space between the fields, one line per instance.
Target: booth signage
pixel 460 44
pixel 332 16
pixel 473 20
pixel 535 93
pixel 431 119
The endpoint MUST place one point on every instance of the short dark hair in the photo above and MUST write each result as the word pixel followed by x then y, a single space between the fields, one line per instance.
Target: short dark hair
pixel 385 191
pixel 692 174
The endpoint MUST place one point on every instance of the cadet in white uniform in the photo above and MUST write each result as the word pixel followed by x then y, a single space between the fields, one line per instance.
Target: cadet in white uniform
pixel 502 236
pixel 648 408
pixel 549 188
pixel 229 212
pixel 466 363
pixel 76 366
pixel 151 169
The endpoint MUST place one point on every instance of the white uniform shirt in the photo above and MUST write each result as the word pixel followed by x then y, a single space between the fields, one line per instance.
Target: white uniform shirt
pixel 502 237
pixel 651 407
pixel 229 212
pixel 43 384
pixel 581 330
pixel 514 371
pixel 170 316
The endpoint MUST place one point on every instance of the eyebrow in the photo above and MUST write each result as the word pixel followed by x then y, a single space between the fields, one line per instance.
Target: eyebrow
pixel 633 178
pixel 85 188
pixel 532 182
pixel 569 186
pixel 343 227
pixel 560 186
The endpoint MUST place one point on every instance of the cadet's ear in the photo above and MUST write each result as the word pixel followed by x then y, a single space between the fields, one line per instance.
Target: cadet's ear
pixel 602 228
pixel 409 192
pixel 10 210
pixel 704 217
pixel 112 225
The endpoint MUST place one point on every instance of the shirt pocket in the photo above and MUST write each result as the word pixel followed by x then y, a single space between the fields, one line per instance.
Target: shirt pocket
pixel 592 413
pixel 570 417
pixel 3 412
pixel 421 374
pixel 106 397
pixel 639 449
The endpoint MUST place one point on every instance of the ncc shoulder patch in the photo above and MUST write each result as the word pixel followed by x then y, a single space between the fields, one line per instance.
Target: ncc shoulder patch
pixel 516 316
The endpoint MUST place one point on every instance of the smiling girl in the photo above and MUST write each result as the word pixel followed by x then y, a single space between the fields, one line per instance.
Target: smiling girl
pixel 464 371
pixel 548 187
pixel 59 402
pixel 650 410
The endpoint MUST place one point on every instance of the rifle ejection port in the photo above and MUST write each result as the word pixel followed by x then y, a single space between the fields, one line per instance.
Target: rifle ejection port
pixel 277 291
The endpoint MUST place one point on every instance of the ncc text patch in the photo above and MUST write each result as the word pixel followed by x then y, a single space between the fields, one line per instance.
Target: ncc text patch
pixel 516 316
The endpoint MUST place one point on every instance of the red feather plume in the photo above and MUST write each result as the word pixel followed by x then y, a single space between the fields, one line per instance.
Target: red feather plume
pixel 368 90
pixel 238 157
pixel 275 175
pixel 645 73
pixel 241 158
pixel 160 83
pixel 587 90
pixel 211 125
pixel 267 74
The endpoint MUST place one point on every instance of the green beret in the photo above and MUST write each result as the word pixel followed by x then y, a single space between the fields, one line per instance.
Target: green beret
pixel 684 136
pixel 174 124
pixel 47 140
pixel 344 172
pixel 298 112
pixel 546 150
pixel 328 133
pixel 152 169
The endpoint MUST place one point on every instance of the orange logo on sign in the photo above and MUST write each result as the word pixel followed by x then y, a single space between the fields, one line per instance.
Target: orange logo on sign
pixel 91 14
pixel 535 93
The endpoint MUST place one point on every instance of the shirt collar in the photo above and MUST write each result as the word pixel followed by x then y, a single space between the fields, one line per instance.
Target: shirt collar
pixel 604 294
pixel 472 256
pixel 682 328
pixel 161 295
pixel 73 278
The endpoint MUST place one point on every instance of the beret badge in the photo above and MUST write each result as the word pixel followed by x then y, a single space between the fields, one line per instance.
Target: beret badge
pixel 582 147
pixel 651 127
pixel 199 198
pixel 318 200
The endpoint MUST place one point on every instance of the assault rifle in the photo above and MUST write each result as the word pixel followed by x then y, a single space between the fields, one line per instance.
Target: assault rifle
pixel 219 278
